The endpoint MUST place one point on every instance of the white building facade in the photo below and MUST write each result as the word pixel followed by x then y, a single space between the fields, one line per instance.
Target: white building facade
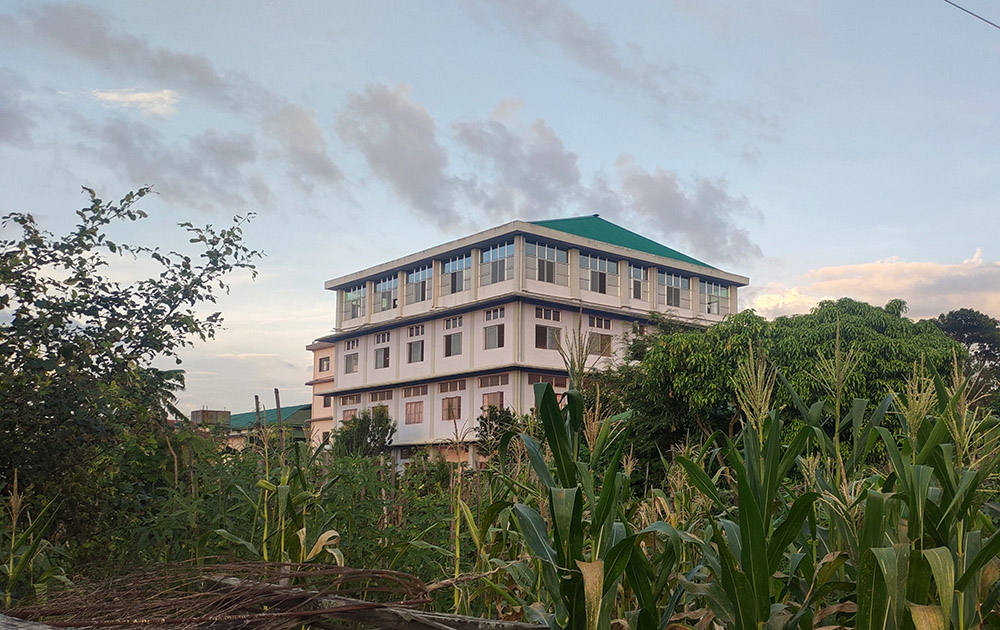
pixel 438 336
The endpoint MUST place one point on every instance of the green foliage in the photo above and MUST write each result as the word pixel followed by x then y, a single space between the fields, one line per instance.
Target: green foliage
pixel 681 381
pixel 82 402
pixel 365 435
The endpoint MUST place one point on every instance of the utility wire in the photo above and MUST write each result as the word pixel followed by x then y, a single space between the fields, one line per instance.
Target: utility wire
pixel 978 17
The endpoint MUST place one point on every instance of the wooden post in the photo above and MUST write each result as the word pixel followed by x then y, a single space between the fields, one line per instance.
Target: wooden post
pixel 281 432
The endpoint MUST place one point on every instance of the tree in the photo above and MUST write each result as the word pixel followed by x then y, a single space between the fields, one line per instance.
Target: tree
pixel 365 435
pixel 76 347
pixel 978 332
pixel 680 382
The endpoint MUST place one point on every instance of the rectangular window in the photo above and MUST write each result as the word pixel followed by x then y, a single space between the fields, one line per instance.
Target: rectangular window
pixel 554 381
pixel 451 408
pixel 415 331
pixel 547 313
pixel 324 364
pixel 418 285
pixel 599 322
pixel 386 293
pixel 351 363
pixel 600 344
pixel 380 396
pixel 349 414
pixel 493 399
pixel 415 412
pixel 494 336
pixel 415 351
pixel 451 386
pixel 638 276
pixel 456 274
pixel 495 262
pixel 352 399
pixel 382 337
pixel 598 274
pixel 381 358
pixel 354 302
pixel 714 298
pixel 453 322
pixel 549 263
pixel 494 380
pixel 494 313
pixel 327 401
pixel 351 344
pixel 453 344
pixel 673 290
pixel 416 390
pixel 547 337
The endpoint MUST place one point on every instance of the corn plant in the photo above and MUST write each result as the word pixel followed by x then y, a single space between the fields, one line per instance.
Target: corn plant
pixel 583 550
pixel 939 477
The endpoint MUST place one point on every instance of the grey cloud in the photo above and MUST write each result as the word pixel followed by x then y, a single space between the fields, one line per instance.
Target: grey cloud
pixel 303 143
pixel 669 86
pixel 16 125
pixel 84 34
pixel 533 172
pixel 398 138
pixel 704 218
pixel 210 171
pixel 594 49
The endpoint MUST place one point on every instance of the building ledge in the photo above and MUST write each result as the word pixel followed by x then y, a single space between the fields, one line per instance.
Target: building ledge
pixel 319 381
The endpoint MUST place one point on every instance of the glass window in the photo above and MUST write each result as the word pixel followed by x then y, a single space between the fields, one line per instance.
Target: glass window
pixel 600 344
pixel 415 412
pixel 354 302
pixel 415 351
pixel 418 284
pixel 456 274
pixel 673 290
pixel 453 344
pixel 385 294
pixel 351 363
pixel 598 274
pixel 324 364
pixel 637 277
pixel 381 358
pixel 494 336
pixel 496 263
pixel 547 262
pixel 493 399
pixel 547 337
pixel 451 408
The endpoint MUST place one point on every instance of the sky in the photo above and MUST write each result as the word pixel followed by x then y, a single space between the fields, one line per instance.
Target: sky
pixel 822 148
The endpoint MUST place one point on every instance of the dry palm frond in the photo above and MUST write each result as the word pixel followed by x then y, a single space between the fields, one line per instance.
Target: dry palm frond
pixel 247 595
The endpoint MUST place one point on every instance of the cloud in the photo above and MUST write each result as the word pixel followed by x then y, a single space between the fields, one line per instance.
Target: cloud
pixel 533 172
pixel 526 171
pixel 704 218
pixel 398 138
pixel 158 103
pixel 595 50
pixel 929 288
pixel 671 87
pixel 211 169
pixel 16 125
pixel 84 34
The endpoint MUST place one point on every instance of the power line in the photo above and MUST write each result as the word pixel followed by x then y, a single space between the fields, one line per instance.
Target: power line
pixel 978 17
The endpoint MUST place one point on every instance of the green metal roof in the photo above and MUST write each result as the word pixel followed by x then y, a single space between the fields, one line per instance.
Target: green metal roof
pixel 596 228
pixel 291 415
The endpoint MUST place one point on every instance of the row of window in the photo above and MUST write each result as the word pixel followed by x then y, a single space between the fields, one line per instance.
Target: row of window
pixel 451 406
pixel 543 262
pixel 546 338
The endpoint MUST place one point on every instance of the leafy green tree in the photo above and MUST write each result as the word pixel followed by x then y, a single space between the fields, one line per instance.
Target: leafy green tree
pixel 366 435
pixel 978 332
pixel 77 350
pixel 681 381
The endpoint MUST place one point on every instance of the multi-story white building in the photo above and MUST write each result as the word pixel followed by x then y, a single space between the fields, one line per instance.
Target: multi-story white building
pixel 437 336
